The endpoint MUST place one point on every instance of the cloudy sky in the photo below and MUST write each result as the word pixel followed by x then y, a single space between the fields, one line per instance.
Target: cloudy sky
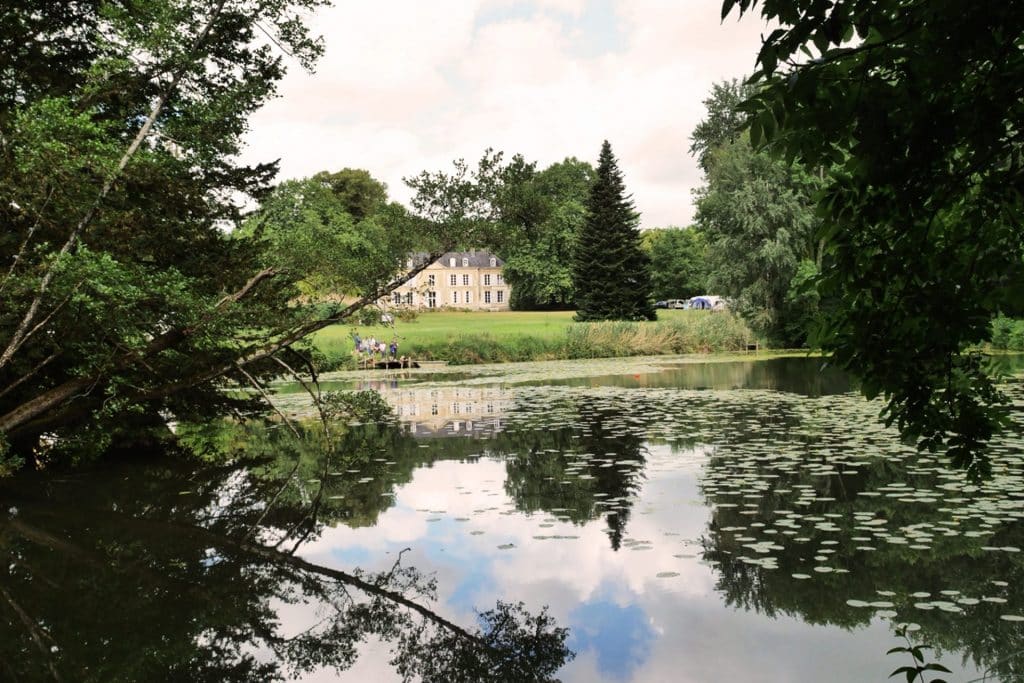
pixel 407 85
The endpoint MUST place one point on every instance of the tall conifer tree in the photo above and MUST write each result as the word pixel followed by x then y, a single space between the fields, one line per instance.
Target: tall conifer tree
pixel 611 273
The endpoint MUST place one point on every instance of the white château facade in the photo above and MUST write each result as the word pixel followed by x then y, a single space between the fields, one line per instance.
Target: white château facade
pixel 459 279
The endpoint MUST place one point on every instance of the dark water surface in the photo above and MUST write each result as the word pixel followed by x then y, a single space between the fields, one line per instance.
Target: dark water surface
pixel 735 521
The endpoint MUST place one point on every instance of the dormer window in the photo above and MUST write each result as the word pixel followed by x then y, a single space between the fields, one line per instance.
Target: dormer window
pixel 465 262
pixel 494 262
pixel 451 262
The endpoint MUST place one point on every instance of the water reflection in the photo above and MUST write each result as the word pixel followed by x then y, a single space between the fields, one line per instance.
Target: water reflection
pixel 681 534
pixel 590 470
pixel 196 572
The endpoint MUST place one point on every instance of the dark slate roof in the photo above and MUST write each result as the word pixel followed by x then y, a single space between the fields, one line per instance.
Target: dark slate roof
pixel 477 258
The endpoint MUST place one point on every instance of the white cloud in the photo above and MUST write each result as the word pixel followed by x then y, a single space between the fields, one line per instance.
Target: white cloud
pixel 407 86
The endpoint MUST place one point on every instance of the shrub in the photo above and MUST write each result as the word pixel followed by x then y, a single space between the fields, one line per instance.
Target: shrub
pixel 407 315
pixel 368 315
pixel 1002 327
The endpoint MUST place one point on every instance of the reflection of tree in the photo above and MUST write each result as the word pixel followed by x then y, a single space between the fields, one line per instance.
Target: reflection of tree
pixel 896 568
pixel 582 472
pixel 123 575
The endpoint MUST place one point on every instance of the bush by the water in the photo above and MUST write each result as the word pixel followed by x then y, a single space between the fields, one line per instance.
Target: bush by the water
pixel 1007 334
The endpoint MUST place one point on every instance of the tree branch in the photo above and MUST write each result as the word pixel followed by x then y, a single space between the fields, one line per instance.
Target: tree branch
pixel 18 338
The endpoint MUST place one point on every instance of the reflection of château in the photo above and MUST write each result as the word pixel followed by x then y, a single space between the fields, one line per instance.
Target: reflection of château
pixel 447 410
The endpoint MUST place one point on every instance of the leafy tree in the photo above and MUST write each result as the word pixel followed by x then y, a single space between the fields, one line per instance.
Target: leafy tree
pixel 527 217
pixel 760 226
pixel 723 121
pixel 123 297
pixel 539 218
pixel 611 273
pixel 462 203
pixel 360 193
pixel 917 106
pixel 343 236
pixel 678 261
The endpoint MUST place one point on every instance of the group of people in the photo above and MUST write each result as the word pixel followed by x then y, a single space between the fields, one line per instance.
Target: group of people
pixel 371 347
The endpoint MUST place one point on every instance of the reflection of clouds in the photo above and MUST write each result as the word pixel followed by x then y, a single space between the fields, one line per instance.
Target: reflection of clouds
pixel 619 636
pixel 626 623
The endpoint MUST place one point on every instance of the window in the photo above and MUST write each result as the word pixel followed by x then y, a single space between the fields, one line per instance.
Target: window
pixel 453 280
pixel 455 297
pixel 487 297
pixel 501 296
pixel 451 262
pixel 433 409
pixel 408 298
pixel 431 299
pixel 501 280
pixel 431 281
pixel 465 262
pixel 487 279
pixel 494 262
pixel 397 298
pixel 465 280
pixel 469 297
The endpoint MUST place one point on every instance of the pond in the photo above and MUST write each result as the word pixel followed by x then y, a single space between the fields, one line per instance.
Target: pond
pixel 741 520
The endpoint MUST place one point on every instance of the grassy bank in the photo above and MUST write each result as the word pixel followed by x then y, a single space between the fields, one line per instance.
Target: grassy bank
pixel 464 337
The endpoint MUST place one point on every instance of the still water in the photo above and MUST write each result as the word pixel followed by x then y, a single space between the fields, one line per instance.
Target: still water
pixel 657 520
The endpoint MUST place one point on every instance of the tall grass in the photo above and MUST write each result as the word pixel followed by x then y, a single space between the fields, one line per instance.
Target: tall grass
pixel 701 332
pixel 682 332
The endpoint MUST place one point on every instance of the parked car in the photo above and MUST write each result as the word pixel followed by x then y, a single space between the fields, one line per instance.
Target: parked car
pixel 661 304
pixel 676 303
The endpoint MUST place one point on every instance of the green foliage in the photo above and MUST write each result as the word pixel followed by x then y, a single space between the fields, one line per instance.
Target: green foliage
pixel 759 220
pixel 360 193
pixel 332 231
pixel 461 204
pixel 1007 334
pixel 540 216
pixel 915 108
pixel 125 298
pixel 361 406
pixel 917 670
pixel 611 273
pixel 723 122
pixel 407 315
pixel 527 217
pixel 699 332
pixel 678 261
pixel 369 315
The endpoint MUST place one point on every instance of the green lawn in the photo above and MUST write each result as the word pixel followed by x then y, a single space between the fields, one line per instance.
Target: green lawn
pixel 436 327
pixel 439 326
